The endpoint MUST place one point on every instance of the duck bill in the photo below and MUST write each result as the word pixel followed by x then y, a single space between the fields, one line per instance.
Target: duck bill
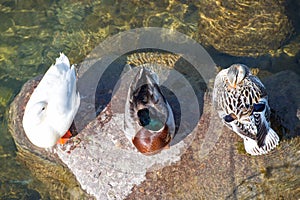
pixel 65 138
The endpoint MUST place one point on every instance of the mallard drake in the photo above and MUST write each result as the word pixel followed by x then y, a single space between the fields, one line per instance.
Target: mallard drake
pixel 241 101
pixel 53 104
pixel 149 121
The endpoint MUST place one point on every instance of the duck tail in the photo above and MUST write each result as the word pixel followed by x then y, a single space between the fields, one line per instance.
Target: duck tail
pixel 62 62
pixel 271 141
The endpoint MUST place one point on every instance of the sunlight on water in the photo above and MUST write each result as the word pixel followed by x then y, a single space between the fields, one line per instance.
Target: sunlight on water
pixel 34 32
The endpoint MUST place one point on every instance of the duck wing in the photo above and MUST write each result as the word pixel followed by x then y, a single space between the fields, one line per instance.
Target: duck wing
pixel 146 99
pixel 65 100
pixel 266 137
pixel 58 89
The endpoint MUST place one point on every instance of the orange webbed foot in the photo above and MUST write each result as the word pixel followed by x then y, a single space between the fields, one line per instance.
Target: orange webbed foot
pixel 65 138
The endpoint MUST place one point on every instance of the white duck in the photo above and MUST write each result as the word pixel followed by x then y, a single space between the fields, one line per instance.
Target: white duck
pixel 53 104
pixel 242 102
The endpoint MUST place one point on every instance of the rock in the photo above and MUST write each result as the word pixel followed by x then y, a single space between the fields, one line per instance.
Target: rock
pixel 225 172
pixel 243 28
pixel 205 164
pixel 102 159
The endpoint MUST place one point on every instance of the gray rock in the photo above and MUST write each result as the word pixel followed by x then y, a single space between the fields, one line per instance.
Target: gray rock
pixel 210 163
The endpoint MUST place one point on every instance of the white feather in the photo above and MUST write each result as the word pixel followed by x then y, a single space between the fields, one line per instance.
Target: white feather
pixel 271 141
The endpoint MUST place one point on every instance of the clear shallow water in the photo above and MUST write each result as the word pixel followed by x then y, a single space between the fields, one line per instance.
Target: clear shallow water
pixel 34 32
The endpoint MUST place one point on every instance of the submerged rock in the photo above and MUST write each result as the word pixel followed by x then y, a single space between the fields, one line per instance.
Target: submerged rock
pixel 208 163
pixel 244 28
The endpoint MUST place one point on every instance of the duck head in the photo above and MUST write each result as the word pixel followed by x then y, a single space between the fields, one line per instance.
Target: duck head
pixel 36 126
pixel 236 74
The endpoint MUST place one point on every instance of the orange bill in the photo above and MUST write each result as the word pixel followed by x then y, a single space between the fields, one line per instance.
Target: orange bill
pixel 65 138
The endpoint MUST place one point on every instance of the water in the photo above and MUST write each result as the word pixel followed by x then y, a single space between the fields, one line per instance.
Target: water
pixel 34 32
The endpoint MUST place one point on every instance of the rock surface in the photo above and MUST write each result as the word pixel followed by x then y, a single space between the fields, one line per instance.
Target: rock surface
pixel 209 163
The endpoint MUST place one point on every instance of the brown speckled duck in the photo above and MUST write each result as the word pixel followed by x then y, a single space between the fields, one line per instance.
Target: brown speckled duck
pixel 242 103
pixel 149 121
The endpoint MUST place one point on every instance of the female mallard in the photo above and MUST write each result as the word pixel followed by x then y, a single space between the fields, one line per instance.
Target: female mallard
pixel 242 103
pixel 53 104
pixel 149 120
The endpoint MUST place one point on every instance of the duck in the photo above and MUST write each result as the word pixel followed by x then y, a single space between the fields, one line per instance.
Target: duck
pixel 149 121
pixel 241 101
pixel 52 106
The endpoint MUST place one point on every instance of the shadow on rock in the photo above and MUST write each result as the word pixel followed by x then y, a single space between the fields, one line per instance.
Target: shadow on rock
pixel 284 100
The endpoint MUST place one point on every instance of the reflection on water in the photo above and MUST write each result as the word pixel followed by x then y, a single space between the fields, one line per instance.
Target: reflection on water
pixel 33 32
